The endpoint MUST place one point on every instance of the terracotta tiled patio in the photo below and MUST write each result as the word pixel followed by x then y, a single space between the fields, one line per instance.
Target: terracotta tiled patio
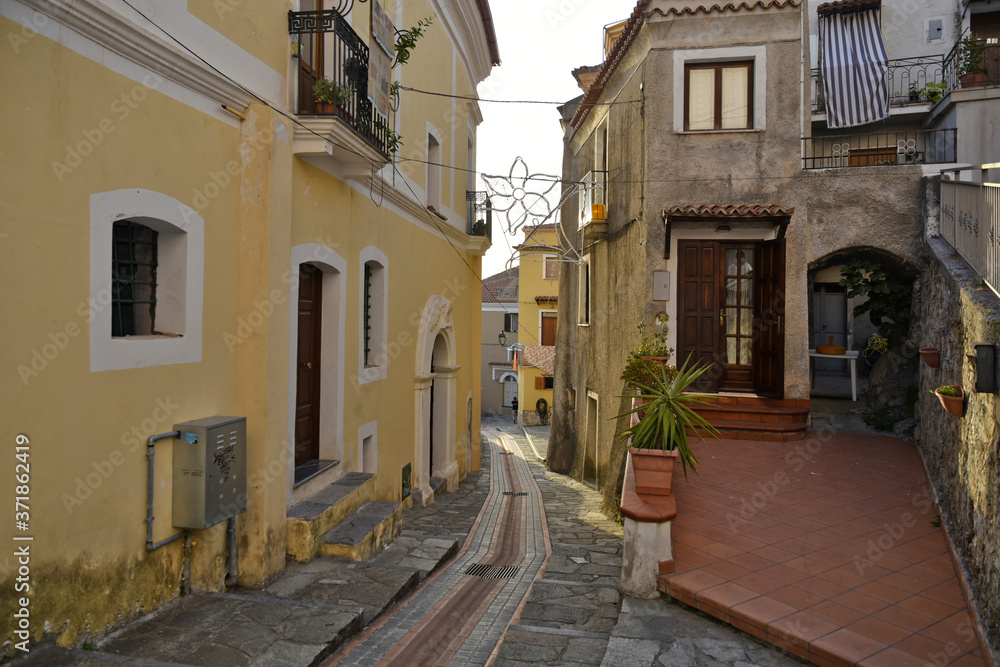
pixel 829 547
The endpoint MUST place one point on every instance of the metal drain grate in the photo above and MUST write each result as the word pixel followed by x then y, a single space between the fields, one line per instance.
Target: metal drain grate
pixel 515 493
pixel 492 571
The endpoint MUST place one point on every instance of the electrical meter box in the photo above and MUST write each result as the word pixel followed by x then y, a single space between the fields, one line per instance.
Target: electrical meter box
pixel 210 471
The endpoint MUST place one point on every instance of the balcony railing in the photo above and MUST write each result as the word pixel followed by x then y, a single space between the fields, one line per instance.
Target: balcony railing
pixel 970 222
pixel 593 199
pixel 479 209
pixel 329 48
pixel 886 148
pixel 907 76
pixel 979 54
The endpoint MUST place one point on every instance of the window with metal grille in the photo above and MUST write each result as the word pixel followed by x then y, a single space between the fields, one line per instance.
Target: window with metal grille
pixel 133 279
pixel 368 312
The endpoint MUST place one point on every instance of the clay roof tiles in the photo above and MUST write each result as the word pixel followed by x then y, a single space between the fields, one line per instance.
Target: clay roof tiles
pixel 542 357
pixel 631 29
pixel 730 211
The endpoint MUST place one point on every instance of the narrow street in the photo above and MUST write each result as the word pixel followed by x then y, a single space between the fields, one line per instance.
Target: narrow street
pixel 517 567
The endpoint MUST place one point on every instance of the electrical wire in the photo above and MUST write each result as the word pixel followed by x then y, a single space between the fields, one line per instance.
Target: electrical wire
pixel 480 99
pixel 284 114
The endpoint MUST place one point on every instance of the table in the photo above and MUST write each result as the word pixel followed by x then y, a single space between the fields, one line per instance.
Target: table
pixel 852 359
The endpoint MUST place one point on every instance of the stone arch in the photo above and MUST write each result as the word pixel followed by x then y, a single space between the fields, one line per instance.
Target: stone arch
pixel 435 387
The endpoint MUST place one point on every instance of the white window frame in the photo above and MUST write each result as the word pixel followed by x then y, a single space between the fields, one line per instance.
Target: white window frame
pixel 369 430
pixel 541 316
pixel 583 282
pixel 758 54
pixel 435 179
pixel 180 281
pixel 378 336
pixel 546 259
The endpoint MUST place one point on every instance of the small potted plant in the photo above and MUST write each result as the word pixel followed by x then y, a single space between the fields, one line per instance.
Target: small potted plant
pixel 660 436
pixel 934 91
pixel 645 359
pixel 952 398
pixel 971 72
pixel 332 94
pixel 914 92
pixel 479 228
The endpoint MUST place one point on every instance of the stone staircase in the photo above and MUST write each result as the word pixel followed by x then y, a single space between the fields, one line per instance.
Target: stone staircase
pixel 756 418
pixel 342 520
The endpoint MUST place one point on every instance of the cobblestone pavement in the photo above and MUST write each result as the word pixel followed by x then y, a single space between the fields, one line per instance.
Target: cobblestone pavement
pixel 575 614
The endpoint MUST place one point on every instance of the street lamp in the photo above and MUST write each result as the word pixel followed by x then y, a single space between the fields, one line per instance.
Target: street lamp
pixel 502 338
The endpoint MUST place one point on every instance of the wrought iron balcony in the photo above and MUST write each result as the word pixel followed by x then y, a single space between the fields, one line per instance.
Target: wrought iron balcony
pixel 593 200
pixel 885 148
pixel 329 48
pixel 907 78
pixel 972 64
pixel 479 214
pixel 970 222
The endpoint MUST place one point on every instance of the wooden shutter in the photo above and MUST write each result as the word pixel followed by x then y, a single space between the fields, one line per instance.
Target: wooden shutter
pixel 769 345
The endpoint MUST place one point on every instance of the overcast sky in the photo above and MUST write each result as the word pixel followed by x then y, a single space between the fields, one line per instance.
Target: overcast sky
pixel 541 42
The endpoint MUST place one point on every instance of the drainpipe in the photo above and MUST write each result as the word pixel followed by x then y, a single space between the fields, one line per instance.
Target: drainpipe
pixel 233 578
pixel 186 534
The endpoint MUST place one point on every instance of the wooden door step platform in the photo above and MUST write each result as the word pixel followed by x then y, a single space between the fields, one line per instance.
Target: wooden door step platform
pixel 366 532
pixel 756 417
pixel 308 519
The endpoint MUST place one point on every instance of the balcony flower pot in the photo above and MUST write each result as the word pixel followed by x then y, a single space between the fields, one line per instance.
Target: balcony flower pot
pixel 973 80
pixel 952 398
pixel 931 356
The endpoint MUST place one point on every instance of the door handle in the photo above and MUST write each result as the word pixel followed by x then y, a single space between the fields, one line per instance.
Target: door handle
pixel 722 317
pixel 308 365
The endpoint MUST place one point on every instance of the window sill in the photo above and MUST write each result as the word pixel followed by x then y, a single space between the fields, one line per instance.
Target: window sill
pixel 746 131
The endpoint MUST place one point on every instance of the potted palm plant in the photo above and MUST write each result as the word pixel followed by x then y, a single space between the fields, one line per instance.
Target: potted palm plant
pixel 659 437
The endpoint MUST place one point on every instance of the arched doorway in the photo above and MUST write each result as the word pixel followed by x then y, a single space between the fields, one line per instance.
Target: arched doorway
pixel 317 294
pixel 435 386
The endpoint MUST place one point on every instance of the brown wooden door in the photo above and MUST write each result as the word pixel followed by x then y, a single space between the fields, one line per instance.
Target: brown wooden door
pixel 307 385
pixel 698 308
pixel 549 321
pixel 769 324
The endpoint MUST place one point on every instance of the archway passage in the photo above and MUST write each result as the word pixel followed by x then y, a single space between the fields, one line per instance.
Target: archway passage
pixel 435 385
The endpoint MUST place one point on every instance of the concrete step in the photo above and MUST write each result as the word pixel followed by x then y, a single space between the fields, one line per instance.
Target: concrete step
pixel 375 585
pixel 311 518
pixel 366 532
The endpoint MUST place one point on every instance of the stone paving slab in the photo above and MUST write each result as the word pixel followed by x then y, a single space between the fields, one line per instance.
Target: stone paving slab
pixel 219 629
pixel 336 581
pixel 424 553
pixel 653 632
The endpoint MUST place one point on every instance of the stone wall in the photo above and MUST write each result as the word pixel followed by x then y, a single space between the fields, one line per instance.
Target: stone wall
pixel 955 312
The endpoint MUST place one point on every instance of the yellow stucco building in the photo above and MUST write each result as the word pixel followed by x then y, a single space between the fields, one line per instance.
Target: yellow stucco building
pixel 186 232
pixel 540 262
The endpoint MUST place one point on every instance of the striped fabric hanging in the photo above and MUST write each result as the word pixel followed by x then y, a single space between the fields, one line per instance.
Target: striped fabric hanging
pixel 855 69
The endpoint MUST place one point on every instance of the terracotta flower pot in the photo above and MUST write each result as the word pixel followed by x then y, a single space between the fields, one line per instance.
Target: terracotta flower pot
pixel 654 470
pixel 955 405
pixel 931 356
pixel 973 79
